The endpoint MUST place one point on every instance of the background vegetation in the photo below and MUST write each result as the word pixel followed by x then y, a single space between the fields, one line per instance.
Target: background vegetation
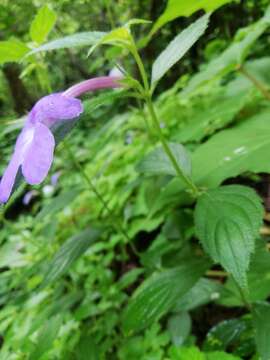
pixel 70 262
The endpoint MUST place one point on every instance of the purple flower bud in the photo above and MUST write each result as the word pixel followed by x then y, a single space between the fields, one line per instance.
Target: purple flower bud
pixel 55 178
pixel 29 196
pixel 35 144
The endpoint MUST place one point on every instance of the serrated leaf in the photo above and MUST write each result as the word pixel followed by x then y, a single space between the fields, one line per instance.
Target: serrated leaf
pixel 227 221
pixel 158 294
pixel 46 337
pixel 75 40
pixel 57 204
pixel 12 50
pixel 176 8
pixel 42 24
pixel 178 48
pixel 68 253
pixel 232 57
pixel 261 321
pixel 157 161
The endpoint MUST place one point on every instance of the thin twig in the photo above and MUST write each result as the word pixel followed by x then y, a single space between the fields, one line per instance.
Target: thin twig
pixel 260 86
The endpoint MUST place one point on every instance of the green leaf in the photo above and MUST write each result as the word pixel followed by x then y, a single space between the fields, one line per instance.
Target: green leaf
pixel 220 111
pixel 157 161
pixel 201 293
pixel 227 154
pixel 68 253
pixel 233 56
pixel 57 204
pixel 261 321
pixel 227 221
pixel 234 151
pixel 258 279
pixel 179 327
pixel 42 24
pixel 178 48
pixel 129 278
pixel 158 294
pixel 186 353
pixel 176 8
pixel 227 334
pixel 119 37
pixel 75 40
pixel 46 337
pixel 87 349
pixel 12 50
pixel 219 355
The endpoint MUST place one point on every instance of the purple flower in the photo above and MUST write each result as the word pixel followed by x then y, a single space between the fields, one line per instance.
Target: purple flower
pixel 29 196
pixel 35 145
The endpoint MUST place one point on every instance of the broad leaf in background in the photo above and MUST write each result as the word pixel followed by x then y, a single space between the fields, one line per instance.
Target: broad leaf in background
pixel 12 50
pixel 222 111
pixel 46 337
pixel 68 253
pixel 228 334
pixel 178 48
pixel 261 321
pixel 158 294
pixel 157 161
pixel 75 40
pixel 176 8
pixel 227 222
pixel 42 24
pixel 234 151
pixel 227 154
pixel 233 56
pixel 201 293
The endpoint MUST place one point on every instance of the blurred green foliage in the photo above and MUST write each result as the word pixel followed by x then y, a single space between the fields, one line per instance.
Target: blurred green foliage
pixel 63 288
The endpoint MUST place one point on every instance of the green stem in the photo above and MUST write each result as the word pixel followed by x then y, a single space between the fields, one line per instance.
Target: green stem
pixel 263 89
pixel 141 68
pixel 168 151
pixel 151 109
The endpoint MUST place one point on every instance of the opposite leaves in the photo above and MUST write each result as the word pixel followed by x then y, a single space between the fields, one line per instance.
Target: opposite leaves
pixel 227 222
